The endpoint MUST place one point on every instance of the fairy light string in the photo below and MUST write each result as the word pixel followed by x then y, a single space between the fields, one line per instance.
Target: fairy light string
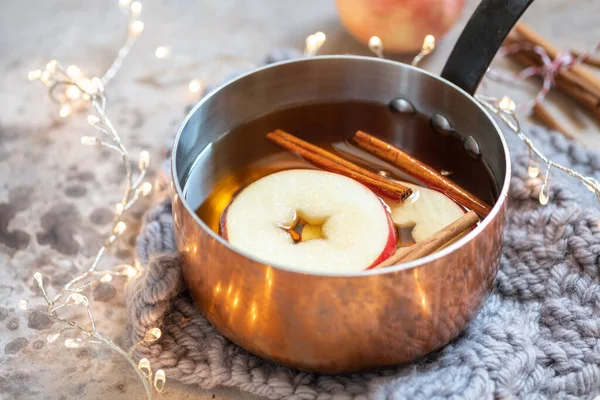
pixel 505 107
pixel 426 49
pixel 71 89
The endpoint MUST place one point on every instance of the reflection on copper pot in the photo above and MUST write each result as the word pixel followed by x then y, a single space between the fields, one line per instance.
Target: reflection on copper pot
pixel 332 323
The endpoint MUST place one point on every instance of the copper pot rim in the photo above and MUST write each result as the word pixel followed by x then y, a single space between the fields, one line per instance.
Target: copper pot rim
pixel 369 272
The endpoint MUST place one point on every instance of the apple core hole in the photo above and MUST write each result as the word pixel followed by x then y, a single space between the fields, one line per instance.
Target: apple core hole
pixel 304 228
pixel 404 235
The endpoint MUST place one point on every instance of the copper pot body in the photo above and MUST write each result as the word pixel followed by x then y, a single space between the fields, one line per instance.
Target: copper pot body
pixel 334 323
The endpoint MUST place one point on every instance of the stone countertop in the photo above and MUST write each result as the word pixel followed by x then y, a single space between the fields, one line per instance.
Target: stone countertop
pixel 56 195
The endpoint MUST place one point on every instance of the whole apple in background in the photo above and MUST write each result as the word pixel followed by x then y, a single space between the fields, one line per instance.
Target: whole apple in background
pixel 400 24
pixel 349 227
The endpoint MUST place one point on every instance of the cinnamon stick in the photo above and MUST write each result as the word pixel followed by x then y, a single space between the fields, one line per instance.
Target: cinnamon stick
pixel 420 171
pixel 432 243
pixel 544 115
pixel 577 93
pixel 330 162
pixel 591 82
pixel 592 61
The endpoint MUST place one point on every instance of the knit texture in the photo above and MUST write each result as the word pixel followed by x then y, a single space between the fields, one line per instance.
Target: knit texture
pixel 537 337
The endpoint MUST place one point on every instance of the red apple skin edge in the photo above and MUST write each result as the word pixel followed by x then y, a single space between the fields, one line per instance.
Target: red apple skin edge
pixel 223 223
pixel 390 246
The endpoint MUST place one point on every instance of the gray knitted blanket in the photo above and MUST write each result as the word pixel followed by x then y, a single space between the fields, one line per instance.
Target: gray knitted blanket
pixel 537 337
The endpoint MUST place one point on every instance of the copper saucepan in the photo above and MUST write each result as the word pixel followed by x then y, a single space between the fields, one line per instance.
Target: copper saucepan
pixel 342 323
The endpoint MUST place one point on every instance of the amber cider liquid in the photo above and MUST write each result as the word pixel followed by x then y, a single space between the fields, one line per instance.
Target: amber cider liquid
pixel 244 155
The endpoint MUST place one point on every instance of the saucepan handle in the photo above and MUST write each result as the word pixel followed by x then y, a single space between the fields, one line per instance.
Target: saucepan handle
pixel 480 40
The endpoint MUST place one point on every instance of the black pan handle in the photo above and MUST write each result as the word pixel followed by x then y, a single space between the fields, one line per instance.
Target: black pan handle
pixel 480 40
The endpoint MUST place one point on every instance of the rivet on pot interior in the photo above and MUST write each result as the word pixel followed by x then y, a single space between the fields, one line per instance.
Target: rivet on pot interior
pixel 472 147
pixel 441 124
pixel 402 106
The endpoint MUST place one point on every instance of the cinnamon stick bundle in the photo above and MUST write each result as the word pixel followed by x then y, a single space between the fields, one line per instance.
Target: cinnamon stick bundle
pixel 433 242
pixel 579 72
pixel 420 171
pixel 330 162
pixel 578 82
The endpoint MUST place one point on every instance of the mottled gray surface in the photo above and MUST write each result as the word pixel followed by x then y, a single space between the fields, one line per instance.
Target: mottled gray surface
pixel 48 178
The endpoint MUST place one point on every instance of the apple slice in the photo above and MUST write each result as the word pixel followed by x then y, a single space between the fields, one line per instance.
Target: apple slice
pixel 426 211
pixel 346 226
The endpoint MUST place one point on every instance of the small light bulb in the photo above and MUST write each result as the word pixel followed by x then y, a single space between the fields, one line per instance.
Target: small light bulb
pixel 74 343
pixel 195 86
pixel 86 85
pixel 507 104
pixel 38 278
pixel 51 66
pixel 45 78
pixel 65 111
pixel 153 335
pixel 144 161
pixel 24 305
pixel 146 188
pixel 320 37
pixel 33 75
pixel 77 298
pixel 106 278
pixel 533 169
pixel 159 380
pixel 590 188
pixel 314 42
pixel 92 119
pixel 544 196
pixel 124 3
pixel 162 52
pixel 89 140
pixel 137 27
pixel 428 44
pixel 73 71
pixel 119 208
pixel 376 46
pixel 96 85
pixel 131 271
pixel 136 8
pixel 73 92
pixel 119 228
pixel 53 336
pixel 144 364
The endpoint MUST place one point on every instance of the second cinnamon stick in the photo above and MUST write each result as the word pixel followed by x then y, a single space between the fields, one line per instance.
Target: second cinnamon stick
pixel 420 171
pixel 433 242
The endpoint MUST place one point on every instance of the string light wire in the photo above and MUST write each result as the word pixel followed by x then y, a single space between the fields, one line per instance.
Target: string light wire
pixel 504 108
pixel 71 89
